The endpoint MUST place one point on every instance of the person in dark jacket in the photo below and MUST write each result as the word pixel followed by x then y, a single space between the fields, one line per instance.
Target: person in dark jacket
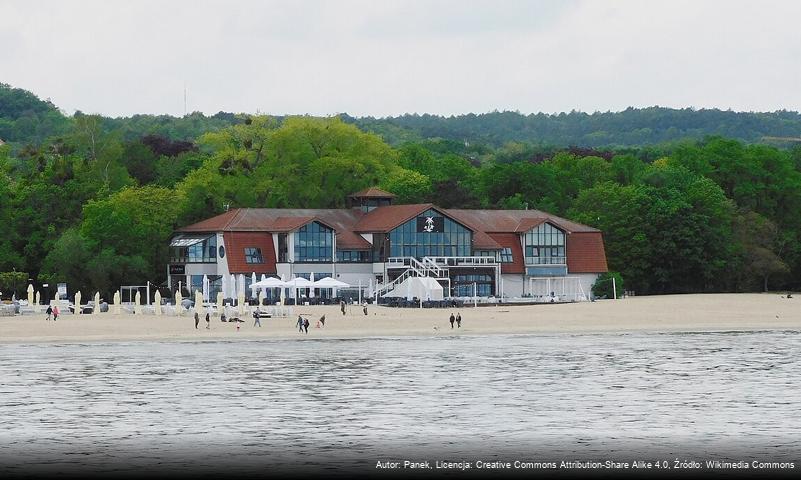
pixel 453 319
pixel 197 320
pixel 306 325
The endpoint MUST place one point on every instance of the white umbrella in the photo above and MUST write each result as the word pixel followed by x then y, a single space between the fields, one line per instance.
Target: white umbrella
pixel 299 282
pixel 96 310
pixel 137 302
pixel 283 291
pixel 311 290
pixel 224 290
pixel 38 299
pixel 233 287
pixel 219 301
pixel 117 302
pixel 329 282
pixel 252 280
pixel 78 302
pixel 30 294
pixel 157 306
pixel 178 298
pixel 198 301
pixel 205 288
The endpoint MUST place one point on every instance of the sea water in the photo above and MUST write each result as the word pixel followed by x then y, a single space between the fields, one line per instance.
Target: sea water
pixel 346 404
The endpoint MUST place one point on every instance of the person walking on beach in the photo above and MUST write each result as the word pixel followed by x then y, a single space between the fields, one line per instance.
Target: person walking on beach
pixel 197 320
pixel 208 321
pixel 306 325
pixel 458 320
pixel 300 324
pixel 452 319
pixel 365 308
pixel 342 306
pixel 49 312
pixel 322 320
pixel 55 313
pixel 257 317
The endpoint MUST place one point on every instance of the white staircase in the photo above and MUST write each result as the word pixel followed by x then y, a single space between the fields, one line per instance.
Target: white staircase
pixel 414 268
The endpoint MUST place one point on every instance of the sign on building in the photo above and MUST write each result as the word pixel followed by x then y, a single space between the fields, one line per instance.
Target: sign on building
pixel 430 224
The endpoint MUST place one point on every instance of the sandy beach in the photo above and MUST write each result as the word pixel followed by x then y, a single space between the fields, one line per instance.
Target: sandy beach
pixel 668 313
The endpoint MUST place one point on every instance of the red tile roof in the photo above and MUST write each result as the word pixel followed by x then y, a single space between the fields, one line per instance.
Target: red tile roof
pixel 585 253
pixel 512 220
pixel 511 240
pixel 286 220
pixel 372 192
pixel 384 219
pixel 237 242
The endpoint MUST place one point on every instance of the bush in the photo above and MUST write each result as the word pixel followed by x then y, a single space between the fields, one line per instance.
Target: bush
pixel 603 285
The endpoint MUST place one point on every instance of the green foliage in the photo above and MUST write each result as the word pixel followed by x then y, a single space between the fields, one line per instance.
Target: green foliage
pixel 14 283
pixel 603 287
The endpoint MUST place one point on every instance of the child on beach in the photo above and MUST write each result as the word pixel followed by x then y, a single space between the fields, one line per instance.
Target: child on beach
pixel 197 320
pixel 208 321
pixel 49 312
pixel 55 313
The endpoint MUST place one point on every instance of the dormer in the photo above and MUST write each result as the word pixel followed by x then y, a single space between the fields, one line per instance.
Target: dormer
pixel 370 199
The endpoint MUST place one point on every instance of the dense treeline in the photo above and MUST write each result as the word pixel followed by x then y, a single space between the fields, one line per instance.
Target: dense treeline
pixel 93 201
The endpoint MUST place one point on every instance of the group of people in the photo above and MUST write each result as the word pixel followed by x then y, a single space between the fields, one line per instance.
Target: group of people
pixel 52 311
pixel 342 307
pixel 457 319
pixel 208 320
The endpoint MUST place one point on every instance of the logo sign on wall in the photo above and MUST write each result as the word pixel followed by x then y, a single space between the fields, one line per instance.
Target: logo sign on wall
pixel 431 224
pixel 177 269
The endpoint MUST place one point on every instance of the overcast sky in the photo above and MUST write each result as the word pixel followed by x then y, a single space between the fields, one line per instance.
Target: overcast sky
pixel 386 57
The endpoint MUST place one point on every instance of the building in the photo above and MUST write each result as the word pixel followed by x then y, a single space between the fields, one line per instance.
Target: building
pixel 378 245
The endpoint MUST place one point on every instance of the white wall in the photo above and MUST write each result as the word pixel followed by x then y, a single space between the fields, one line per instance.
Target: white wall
pixel 513 284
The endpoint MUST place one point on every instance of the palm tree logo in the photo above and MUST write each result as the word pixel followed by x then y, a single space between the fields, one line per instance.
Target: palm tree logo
pixel 429 227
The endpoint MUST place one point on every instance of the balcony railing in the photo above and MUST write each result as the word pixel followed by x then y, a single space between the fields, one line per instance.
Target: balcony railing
pixel 546 260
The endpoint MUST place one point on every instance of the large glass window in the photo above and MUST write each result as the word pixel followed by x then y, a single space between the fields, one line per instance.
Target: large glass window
pixel 253 255
pixel 441 237
pixel 463 285
pixel 545 245
pixel 506 255
pixel 353 256
pixel 314 242
pixel 204 251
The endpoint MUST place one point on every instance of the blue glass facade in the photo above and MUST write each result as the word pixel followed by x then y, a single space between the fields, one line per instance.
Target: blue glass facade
pixel 314 242
pixel 408 241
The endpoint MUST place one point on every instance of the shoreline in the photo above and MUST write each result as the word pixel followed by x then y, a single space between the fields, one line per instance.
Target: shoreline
pixel 694 313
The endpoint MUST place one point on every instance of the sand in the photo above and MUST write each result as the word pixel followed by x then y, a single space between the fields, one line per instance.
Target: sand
pixel 667 313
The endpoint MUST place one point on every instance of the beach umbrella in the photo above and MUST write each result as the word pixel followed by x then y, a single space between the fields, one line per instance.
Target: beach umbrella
pixel 299 282
pixel 329 282
pixel 259 296
pixel 38 298
pixel 178 298
pixel 241 300
pixel 157 307
pixel 219 301
pixel 253 280
pixel 283 290
pixel 205 288
pixel 224 282
pixel 198 301
pixel 137 303
pixel 311 289
pixel 117 302
pixel 233 287
pixel 96 310
pixel 78 301
pixel 30 294
pixel 241 285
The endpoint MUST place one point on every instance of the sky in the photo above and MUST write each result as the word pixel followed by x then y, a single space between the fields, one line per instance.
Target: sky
pixel 390 57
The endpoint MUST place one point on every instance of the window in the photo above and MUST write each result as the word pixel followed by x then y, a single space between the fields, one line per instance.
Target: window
pixel 453 240
pixel 353 256
pixel 253 255
pixel 314 242
pixel 506 255
pixel 194 250
pixel 545 245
